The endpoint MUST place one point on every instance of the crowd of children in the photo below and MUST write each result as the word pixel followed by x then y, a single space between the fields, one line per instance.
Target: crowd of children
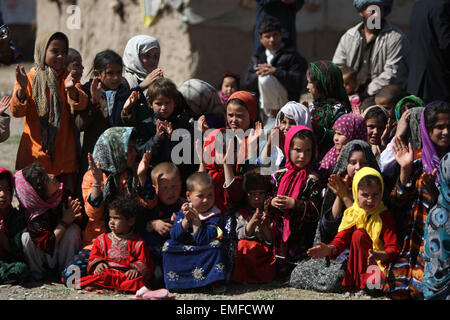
pixel 100 190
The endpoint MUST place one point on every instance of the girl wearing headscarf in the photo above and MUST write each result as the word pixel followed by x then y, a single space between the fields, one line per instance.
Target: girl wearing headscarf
pixel 330 101
pixel 45 97
pixel 436 278
pixel 368 228
pixel 407 103
pixel 348 127
pixel 294 206
pixel 141 59
pixel 12 222
pixel 416 191
pixel 376 120
pixel 112 172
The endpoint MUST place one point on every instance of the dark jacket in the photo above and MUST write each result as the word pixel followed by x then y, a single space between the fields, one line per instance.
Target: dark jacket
pixel 291 69
pixel 429 71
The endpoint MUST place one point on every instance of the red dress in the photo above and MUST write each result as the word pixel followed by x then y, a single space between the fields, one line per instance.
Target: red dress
pixel 356 275
pixel 120 255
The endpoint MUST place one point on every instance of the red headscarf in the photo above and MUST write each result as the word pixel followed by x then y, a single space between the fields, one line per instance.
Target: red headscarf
pixel 250 102
pixel 293 180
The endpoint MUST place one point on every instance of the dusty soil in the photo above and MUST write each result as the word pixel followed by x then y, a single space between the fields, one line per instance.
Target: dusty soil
pixel 57 291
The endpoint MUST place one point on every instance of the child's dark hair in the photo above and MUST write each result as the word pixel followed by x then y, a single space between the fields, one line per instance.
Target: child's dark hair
pixel 350 71
pixel 127 206
pixel 37 177
pixel 376 113
pixel 432 111
pixel 233 75
pixel 164 87
pixel 368 181
pixel 59 36
pixel 306 134
pixel 105 58
pixel 71 55
pixel 254 180
pixel 269 24
pixel 199 179
pixel 313 79
pixel 7 176
pixel 391 93
pixel 408 104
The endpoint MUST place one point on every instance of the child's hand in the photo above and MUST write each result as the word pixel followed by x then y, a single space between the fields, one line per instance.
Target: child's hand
pixel 319 251
pixel 131 101
pixel 70 80
pixel 338 186
pixel 387 132
pixel 283 202
pixel 202 126
pixel 264 69
pixel 161 227
pixel 429 183
pixel 265 220
pixel 143 167
pixel 402 124
pixel 256 218
pixel 96 169
pixel 168 128
pixel 96 90
pixel 100 268
pixel 71 210
pixel 4 104
pixel 173 217
pixel 132 274
pixel 21 77
pixel 151 77
pixel 254 135
pixel 404 156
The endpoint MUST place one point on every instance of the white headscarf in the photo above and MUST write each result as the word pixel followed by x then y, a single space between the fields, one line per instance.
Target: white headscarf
pixel 135 72
pixel 297 112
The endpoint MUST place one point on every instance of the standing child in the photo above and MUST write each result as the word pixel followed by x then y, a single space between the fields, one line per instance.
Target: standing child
pixel 368 228
pixel 119 260
pixel 295 206
pixel 230 84
pixel 107 93
pixel 254 261
pixel 194 256
pixel 13 269
pixel 51 237
pixel 45 96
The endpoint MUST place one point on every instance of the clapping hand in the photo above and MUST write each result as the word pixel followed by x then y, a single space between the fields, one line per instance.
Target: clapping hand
pixel 283 202
pixel 131 101
pixel 96 90
pixel 143 167
pixel 4 104
pixel 404 156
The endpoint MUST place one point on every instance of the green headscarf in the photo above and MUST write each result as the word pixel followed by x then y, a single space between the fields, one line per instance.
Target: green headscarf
pixel 398 107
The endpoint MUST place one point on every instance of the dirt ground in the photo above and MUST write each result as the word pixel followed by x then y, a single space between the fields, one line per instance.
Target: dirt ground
pixel 56 291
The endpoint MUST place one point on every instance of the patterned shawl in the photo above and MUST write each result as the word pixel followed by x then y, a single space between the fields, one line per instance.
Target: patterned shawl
pixel 48 105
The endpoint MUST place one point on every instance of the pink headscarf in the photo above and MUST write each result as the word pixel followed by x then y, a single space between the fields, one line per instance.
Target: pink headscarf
pixel 30 200
pixel 293 180
pixel 352 126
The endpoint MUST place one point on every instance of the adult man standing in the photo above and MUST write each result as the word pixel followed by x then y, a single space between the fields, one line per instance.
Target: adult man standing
pixel 429 75
pixel 376 49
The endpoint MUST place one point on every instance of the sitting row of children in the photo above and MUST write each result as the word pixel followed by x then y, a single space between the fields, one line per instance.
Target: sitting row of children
pixel 327 121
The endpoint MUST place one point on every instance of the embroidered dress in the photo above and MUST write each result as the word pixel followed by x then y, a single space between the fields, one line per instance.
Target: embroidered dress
pixel 195 260
pixel 121 255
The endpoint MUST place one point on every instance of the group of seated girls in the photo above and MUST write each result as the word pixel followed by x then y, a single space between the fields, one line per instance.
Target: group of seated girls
pixel 366 186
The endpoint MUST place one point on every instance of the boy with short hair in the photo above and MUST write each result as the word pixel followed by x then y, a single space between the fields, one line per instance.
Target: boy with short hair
pixel 275 73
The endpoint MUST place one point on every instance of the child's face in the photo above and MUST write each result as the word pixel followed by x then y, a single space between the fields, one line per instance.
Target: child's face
pixel 52 185
pixel 369 197
pixel 339 140
pixel 150 59
pixel 163 106
pixel 300 153
pixel 229 86
pixel 5 194
pixel 168 188
pixel 383 102
pixel 375 129
pixel 111 77
pixel 315 93
pixel 440 133
pixel 255 198
pixel 271 40
pixel 131 154
pixel 349 83
pixel 77 66
pixel 356 161
pixel 238 117
pixel 202 198
pixel 119 224
pixel 56 54
pixel 286 123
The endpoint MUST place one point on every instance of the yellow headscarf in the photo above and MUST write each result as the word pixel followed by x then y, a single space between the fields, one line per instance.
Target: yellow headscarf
pixel 355 215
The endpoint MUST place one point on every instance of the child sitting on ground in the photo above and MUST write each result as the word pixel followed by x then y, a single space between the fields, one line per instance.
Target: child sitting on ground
pixel 52 236
pixel 194 256
pixel 120 260
pixel 13 269
pixel 254 261
pixel 230 84
pixel 368 228
pixel 377 119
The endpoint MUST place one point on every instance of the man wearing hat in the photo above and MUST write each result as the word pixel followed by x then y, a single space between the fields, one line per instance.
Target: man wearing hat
pixel 376 49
